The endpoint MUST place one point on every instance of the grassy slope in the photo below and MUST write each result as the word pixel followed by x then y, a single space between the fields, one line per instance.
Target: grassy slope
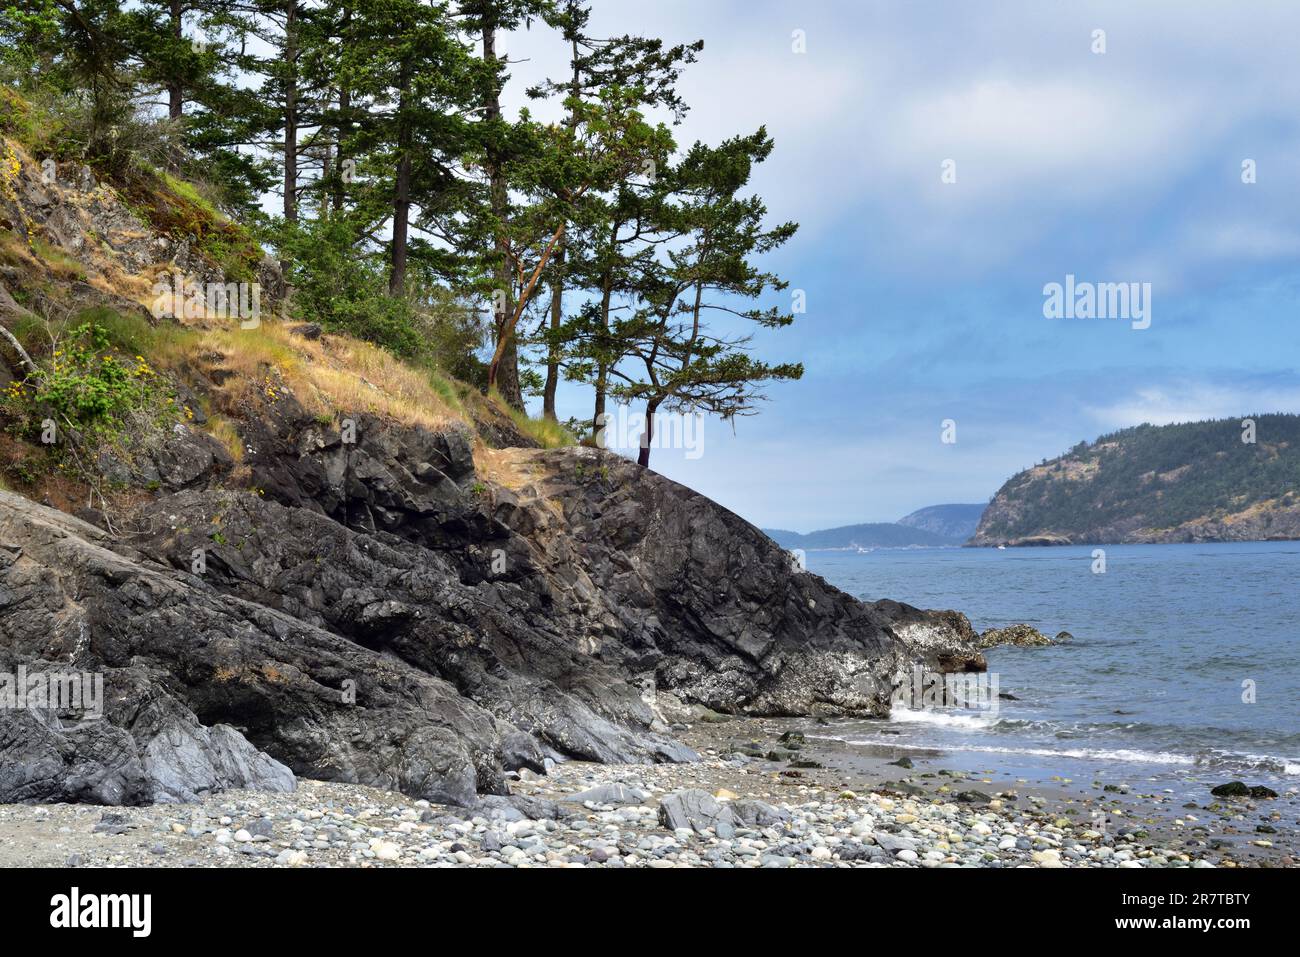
pixel 332 375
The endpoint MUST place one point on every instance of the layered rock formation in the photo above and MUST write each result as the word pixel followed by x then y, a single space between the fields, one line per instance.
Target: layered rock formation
pixel 382 613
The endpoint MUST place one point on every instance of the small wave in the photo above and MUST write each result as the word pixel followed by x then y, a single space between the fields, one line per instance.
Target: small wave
pixel 1094 754
pixel 1252 762
pixel 947 719
pixel 1255 762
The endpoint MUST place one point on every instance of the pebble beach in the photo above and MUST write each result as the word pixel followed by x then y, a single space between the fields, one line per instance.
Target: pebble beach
pixel 763 795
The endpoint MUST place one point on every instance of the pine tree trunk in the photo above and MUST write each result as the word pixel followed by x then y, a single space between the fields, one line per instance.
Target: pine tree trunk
pixel 599 413
pixel 602 370
pixel 557 287
pixel 643 457
pixel 553 346
pixel 176 95
pixel 345 120
pixel 291 112
pixel 401 193
pixel 401 219
pixel 506 371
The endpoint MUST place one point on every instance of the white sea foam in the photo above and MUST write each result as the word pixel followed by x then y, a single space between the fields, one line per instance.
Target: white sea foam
pixel 1095 754
pixel 1127 755
pixel 947 719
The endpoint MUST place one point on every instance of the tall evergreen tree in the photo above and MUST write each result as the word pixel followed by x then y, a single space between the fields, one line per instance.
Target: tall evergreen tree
pixel 404 61
pixel 687 363
pixel 609 143
pixel 485 22
pixel 649 70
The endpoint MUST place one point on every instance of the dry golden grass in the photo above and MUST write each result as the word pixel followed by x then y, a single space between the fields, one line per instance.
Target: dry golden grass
pixel 332 376
pixel 510 468
pixel 60 265
pixel 15 252
pixel 224 431
pixel 117 281
pixel 328 376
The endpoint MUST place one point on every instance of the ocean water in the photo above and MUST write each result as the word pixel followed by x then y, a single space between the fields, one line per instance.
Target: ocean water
pixel 1155 683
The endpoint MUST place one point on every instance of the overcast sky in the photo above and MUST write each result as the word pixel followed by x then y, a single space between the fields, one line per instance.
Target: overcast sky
pixel 925 298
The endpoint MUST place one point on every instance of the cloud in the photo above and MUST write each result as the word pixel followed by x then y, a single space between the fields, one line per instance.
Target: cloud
pixel 925 299
pixel 1013 135
pixel 1196 401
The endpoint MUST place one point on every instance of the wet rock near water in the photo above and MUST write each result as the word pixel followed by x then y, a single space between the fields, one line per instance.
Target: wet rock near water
pixel 1020 636
pixel 1237 789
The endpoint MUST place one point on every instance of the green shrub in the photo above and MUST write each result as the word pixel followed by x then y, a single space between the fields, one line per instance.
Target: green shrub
pixel 344 290
pixel 93 391
pixel 88 384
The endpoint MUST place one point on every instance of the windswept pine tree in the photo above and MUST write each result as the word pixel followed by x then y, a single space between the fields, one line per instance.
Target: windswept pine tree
pixel 683 360
pixel 649 70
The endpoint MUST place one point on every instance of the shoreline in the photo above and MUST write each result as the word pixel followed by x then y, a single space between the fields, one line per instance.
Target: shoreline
pixel 821 803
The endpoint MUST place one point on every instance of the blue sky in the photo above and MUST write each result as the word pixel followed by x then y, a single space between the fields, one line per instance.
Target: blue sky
pixel 925 298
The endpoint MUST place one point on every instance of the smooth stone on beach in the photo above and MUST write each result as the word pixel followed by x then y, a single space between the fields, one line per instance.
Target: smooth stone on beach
pixel 609 794
pixel 892 843
pixel 697 810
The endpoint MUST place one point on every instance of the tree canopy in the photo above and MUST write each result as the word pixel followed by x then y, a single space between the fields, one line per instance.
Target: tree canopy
pixel 412 209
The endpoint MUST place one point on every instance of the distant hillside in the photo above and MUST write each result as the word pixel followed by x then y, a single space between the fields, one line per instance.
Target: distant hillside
pixel 871 535
pixel 1175 483
pixel 954 522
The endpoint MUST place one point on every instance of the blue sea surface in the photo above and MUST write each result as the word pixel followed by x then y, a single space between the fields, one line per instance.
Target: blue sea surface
pixel 1169 646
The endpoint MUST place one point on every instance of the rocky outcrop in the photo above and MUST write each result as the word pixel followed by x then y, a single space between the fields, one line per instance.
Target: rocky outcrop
pixel 338 596
pixel 382 614
pixel 944 639
pixel 1021 636
pixel 71 597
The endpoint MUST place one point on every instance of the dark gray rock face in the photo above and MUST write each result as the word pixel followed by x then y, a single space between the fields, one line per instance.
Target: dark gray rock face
pixel 667 580
pixel 183 759
pixel 64 596
pixel 382 614
pixel 93 762
pixel 181 458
